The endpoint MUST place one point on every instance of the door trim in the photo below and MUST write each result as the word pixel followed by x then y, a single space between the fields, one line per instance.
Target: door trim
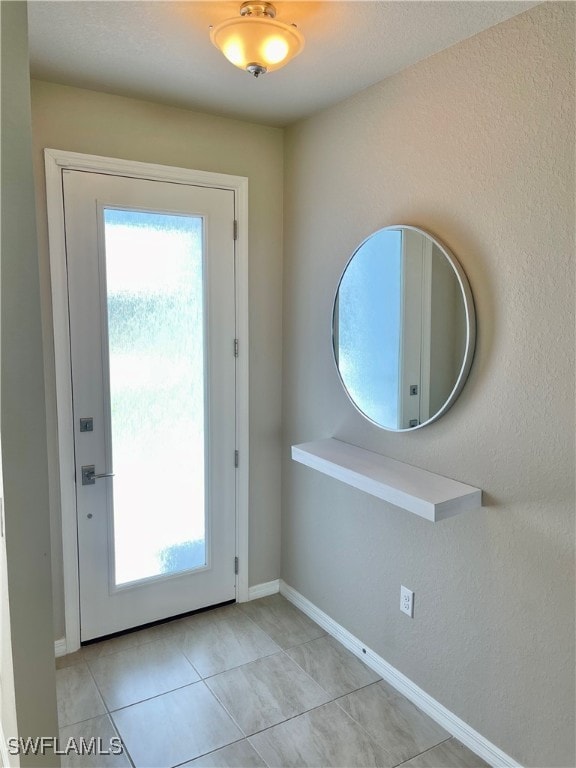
pixel 55 161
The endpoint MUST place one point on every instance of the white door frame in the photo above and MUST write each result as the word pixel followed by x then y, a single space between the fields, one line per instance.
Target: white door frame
pixel 55 161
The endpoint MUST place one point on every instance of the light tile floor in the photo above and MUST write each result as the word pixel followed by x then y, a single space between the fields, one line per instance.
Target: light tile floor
pixel 255 684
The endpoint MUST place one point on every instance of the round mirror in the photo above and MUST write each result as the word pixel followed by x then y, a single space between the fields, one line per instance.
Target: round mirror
pixel 403 328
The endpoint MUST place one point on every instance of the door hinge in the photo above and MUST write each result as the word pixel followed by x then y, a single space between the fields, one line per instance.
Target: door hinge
pixel 236 565
pixel 235 229
pixel 235 347
pixel 236 459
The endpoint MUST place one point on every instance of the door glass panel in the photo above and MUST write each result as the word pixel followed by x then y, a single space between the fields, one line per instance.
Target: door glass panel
pixel 155 299
pixel 369 326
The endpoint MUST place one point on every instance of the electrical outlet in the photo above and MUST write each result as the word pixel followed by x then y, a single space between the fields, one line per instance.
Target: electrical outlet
pixel 407 601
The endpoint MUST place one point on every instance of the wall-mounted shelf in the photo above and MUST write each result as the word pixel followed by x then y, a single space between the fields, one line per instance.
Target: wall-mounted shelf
pixel 424 493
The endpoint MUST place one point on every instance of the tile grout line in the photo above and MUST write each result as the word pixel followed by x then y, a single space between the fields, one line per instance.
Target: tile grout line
pixel 297 610
pixel 333 699
pixel 337 696
pixel 171 637
pixel 238 666
pixel 110 718
pixel 254 661
pixel 450 738
pixel 106 714
pixel 336 700
pixel 320 706
pixel 159 627
pixel 267 728
pixel 139 701
pixel 225 708
pixel 373 738
pixel 211 752
pixel 155 696
pixel 287 720
pixel 189 685
pixel 258 753
pixel 97 691
pixel 111 711
pixel 350 717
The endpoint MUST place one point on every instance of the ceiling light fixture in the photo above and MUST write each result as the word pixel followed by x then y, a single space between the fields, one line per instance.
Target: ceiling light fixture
pixel 257 42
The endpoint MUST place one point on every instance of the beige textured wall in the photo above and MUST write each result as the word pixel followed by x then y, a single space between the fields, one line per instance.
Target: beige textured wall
pixel 23 418
pixel 447 330
pixel 475 144
pixel 100 124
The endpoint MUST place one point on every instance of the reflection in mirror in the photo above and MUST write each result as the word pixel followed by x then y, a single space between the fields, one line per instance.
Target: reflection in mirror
pixel 403 328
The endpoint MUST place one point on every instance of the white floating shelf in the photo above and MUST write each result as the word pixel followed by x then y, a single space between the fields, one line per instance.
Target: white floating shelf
pixel 424 493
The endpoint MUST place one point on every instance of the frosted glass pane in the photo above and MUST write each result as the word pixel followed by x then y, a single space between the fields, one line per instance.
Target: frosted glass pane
pixel 154 277
pixel 369 326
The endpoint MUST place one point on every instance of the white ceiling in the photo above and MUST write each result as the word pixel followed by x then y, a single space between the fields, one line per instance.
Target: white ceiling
pixel 161 51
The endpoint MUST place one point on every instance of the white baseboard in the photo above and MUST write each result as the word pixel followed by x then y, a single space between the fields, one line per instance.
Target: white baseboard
pixel 263 590
pixel 60 648
pixel 448 720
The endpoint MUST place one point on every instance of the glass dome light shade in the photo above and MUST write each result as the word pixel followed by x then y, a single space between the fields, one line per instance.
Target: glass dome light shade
pixel 257 40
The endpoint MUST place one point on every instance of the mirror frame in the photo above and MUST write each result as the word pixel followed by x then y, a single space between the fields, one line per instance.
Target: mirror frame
pixel 470 314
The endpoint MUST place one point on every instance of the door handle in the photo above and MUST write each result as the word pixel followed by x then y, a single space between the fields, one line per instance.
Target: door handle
pixel 89 475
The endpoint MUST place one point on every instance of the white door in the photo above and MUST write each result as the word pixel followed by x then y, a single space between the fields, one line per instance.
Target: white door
pixel 152 328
